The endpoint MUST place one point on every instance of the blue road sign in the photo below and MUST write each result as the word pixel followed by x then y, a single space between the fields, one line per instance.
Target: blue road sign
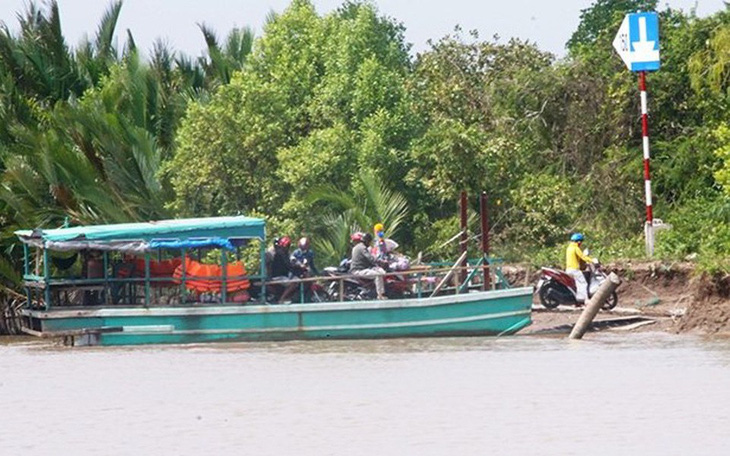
pixel 637 41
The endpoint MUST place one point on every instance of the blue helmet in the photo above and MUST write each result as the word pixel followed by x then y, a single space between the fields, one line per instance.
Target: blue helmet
pixel 577 237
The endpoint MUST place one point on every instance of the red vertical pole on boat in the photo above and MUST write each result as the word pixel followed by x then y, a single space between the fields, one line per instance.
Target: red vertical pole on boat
pixel 463 240
pixel 649 227
pixel 485 238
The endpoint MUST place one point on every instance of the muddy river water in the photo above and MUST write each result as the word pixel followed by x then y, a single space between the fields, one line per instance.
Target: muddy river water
pixel 648 393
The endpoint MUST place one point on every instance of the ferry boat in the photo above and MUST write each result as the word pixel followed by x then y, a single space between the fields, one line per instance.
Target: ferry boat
pixel 153 283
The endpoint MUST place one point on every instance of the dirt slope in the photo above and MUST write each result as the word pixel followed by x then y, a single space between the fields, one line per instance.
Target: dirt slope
pixel 682 300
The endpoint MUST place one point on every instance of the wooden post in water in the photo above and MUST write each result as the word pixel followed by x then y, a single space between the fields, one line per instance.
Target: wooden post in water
pixel 47 278
pixel 147 279
pixel 224 275
pixel 463 240
pixel 485 238
pixel 594 305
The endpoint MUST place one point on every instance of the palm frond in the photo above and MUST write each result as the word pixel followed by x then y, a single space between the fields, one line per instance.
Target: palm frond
pixel 9 272
pixel 332 195
pixel 105 32
pixel 332 242
pixel 131 46
pixel 388 207
pixel 355 211
pixel 238 45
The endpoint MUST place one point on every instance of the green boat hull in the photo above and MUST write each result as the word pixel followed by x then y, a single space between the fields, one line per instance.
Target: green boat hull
pixel 498 312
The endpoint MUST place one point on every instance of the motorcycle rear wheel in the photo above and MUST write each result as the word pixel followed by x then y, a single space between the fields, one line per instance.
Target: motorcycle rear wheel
pixel 333 292
pixel 319 296
pixel 545 299
pixel 610 302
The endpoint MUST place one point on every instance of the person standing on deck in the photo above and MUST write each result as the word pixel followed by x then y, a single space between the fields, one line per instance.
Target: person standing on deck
pixel 279 268
pixel 574 256
pixel 364 264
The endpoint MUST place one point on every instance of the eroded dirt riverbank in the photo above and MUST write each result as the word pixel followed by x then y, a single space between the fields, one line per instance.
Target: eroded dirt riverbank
pixel 677 298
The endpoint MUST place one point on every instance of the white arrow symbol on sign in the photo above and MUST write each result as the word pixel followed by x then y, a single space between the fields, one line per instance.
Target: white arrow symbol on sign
pixel 643 49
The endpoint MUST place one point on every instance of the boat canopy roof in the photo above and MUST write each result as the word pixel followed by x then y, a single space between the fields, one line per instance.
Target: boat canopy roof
pixel 140 234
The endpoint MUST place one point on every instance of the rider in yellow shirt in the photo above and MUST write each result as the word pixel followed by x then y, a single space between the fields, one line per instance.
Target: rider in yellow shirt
pixel 573 257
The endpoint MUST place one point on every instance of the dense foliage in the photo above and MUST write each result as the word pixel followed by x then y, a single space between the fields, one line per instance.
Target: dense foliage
pixel 327 124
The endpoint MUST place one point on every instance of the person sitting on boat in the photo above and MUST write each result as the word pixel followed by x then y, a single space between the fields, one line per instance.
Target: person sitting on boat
pixel 303 258
pixel 385 251
pixel 575 260
pixel 364 264
pixel 279 267
pixel 93 268
pixel 355 239
pixel 383 246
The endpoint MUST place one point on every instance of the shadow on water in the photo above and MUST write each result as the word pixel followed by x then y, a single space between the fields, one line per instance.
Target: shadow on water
pixel 605 340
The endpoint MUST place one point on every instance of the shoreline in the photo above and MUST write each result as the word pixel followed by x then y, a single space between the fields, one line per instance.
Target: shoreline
pixel 653 297
pixel 679 300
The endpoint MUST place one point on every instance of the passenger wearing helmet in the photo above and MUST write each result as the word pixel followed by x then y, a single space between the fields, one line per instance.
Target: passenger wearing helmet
pixel 383 246
pixel 355 239
pixel 278 266
pixel 574 256
pixel 303 257
pixel 364 264
pixel 379 230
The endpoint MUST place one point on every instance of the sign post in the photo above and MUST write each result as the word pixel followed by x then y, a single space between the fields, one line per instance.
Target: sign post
pixel 637 43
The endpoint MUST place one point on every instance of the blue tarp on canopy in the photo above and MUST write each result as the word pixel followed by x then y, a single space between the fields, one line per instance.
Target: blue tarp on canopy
pixel 180 229
pixel 193 244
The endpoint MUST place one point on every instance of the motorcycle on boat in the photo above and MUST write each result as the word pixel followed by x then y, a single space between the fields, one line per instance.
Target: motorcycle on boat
pixel 360 289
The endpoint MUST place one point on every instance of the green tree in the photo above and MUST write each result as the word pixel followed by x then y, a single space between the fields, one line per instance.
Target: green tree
pixel 723 153
pixel 319 99
pixel 489 112
pixel 226 156
pixel 547 210
pixel 601 18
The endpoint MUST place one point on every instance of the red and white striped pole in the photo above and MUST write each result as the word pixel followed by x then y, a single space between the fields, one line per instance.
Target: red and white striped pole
pixel 649 226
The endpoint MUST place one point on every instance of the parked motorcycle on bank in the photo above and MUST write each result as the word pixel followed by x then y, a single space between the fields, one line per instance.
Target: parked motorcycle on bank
pixel 557 287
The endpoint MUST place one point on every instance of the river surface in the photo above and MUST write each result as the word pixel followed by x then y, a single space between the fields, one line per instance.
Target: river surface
pixel 647 393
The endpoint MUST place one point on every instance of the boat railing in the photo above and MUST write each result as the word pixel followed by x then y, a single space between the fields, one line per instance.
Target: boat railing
pixel 418 282
pixel 123 291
